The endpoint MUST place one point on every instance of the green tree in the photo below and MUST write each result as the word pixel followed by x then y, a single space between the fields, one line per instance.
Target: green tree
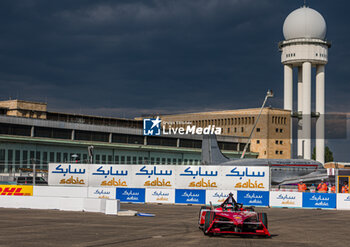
pixel 328 155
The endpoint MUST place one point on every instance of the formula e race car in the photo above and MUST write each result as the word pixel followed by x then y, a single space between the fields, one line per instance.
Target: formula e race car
pixel 232 218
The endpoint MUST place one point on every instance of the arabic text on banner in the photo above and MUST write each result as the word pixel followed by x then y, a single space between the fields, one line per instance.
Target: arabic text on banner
pixel 68 174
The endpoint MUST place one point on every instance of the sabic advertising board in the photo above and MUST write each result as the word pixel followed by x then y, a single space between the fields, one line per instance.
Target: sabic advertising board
pixel 153 176
pixel 319 200
pixel 160 195
pixel 110 175
pixel 160 176
pixel 198 177
pixel 245 178
pixel 286 199
pixel 184 196
pixel 253 198
pixel 223 177
pixel 217 197
pixel 131 195
pixel 68 174
pixel 343 201
pixel 102 192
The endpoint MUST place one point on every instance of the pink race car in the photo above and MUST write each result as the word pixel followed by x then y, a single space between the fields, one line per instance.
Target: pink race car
pixel 232 218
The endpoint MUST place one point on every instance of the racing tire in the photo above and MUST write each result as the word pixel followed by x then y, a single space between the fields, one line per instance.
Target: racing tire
pixel 209 216
pixel 263 218
pixel 199 216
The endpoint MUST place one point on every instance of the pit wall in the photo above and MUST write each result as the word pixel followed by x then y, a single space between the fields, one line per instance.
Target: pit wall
pixel 183 196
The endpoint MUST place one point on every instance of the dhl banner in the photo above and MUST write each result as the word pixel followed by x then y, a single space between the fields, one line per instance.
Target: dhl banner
pixel 161 176
pixel 16 190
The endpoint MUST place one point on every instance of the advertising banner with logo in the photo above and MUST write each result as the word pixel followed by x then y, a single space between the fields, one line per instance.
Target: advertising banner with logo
pixel 198 177
pixel 160 195
pixel 16 190
pixel 131 195
pixel 343 201
pixel 68 174
pixel 319 200
pixel 161 176
pixel 254 178
pixel 102 192
pixel 153 176
pixel 216 197
pixel 184 196
pixel 110 175
pixel 253 198
pixel 286 199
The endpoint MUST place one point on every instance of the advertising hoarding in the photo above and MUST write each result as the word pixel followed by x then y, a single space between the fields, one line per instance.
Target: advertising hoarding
pixel 286 199
pixel 253 198
pixel 319 200
pixel 160 195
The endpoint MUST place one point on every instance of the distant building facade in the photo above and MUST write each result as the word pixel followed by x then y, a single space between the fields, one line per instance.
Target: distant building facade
pixel 271 137
pixel 31 134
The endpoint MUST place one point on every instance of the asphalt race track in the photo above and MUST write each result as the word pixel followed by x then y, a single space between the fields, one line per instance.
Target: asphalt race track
pixel 172 226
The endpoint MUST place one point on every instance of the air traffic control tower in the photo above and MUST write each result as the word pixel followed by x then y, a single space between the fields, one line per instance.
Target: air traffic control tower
pixel 305 47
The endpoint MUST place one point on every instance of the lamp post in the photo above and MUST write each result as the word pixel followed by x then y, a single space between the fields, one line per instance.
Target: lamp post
pixel 269 94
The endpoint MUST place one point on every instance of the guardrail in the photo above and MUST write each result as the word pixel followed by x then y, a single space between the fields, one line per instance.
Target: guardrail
pixel 186 196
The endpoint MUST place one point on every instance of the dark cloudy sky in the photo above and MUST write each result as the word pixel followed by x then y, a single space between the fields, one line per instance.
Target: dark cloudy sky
pixel 126 58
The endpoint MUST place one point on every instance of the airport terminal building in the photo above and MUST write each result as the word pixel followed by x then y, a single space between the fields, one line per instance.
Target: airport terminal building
pixel 271 137
pixel 31 134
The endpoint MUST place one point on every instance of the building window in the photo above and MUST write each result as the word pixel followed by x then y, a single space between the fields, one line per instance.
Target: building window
pixel 152 160
pixel 25 159
pixel 97 158
pixel 110 159
pixel 134 160
pixel 281 152
pixel 265 152
pixel 116 159
pixel 257 141
pixel 228 130
pixel 235 129
pixel 65 157
pixel 174 161
pixel 281 130
pixel 9 156
pixel 179 161
pixel 104 161
pixel 158 161
pixel 276 142
pixel 276 130
pixel 242 129
pixel 58 157
pixel 17 157
pixel 122 159
pixel 257 129
pixel 276 152
pixel 128 159
pixel 52 157
pixel 281 142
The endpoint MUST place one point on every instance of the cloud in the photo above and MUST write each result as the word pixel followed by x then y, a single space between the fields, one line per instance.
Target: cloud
pixel 111 57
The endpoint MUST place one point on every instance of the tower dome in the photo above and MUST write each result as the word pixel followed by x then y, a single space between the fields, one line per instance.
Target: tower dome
pixel 304 23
